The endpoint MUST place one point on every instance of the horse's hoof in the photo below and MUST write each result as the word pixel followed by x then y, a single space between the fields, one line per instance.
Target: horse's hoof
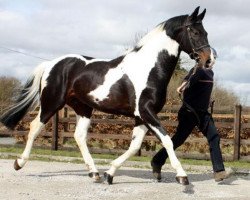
pixel 156 171
pixel 95 176
pixel 108 178
pixel 157 176
pixel 182 180
pixel 16 166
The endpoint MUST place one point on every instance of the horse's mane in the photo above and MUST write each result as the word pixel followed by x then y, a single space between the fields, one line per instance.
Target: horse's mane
pixel 169 26
pixel 173 24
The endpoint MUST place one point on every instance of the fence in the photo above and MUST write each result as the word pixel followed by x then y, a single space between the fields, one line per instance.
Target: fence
pixel 234 119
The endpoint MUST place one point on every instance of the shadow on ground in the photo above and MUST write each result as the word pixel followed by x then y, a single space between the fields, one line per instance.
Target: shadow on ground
pixel 167 177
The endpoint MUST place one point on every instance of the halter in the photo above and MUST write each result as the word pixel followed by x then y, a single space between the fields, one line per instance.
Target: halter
pixel 194 54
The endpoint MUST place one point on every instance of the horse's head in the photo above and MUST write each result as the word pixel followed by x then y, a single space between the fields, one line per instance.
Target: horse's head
pixel 193 39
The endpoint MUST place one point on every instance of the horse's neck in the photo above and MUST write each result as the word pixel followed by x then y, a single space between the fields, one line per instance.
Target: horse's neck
pixel 167 64
pixel 151 47
pixel 159 50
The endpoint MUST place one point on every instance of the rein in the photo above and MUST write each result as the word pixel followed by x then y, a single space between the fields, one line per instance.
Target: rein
pixel 194 54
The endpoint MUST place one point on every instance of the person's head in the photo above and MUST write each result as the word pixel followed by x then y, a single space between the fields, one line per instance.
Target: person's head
pixel 213 57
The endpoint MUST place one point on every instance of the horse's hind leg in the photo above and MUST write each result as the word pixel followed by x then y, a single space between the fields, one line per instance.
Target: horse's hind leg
pixel 82 125
pixel 35 128
pixel 50 104
pixel 80 136
pixel 137 138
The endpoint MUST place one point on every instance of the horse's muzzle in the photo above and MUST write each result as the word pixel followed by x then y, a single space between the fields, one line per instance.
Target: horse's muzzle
pixel 203 57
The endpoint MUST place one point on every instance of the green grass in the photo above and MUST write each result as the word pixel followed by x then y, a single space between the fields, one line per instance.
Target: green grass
pixel 67 153
pixel 77 154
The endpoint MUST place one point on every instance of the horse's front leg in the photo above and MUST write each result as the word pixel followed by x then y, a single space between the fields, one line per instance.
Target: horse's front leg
pixel 139 132
pixel 153 123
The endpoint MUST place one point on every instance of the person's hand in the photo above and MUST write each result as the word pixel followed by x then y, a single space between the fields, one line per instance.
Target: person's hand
pixel 181 88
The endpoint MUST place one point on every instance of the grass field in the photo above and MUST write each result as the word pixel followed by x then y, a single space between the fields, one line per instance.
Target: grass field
pixel 77 154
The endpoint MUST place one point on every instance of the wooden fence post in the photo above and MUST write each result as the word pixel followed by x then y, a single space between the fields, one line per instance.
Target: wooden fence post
pixel 55 132
pixel 237 129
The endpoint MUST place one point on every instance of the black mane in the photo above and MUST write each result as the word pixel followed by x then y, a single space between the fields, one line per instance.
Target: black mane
pixel 174 24
pixel 171 26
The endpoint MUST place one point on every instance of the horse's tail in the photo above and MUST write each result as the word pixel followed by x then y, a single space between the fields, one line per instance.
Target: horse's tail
pixel 28 99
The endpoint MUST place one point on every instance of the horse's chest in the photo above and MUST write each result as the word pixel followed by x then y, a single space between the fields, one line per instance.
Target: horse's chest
pixel 136 71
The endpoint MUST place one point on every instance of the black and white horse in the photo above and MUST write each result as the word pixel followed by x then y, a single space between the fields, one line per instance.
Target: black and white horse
pixel 133 84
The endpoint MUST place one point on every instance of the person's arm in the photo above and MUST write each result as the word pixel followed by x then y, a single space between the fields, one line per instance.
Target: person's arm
pixel 186 79
pixel 182 87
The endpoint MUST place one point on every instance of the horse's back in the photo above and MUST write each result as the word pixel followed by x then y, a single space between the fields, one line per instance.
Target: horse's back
pixel 94 82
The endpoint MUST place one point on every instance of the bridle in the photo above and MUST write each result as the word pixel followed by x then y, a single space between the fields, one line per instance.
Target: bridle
pixel 194 54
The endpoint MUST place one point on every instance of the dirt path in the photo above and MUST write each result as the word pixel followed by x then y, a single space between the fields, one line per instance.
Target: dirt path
pixel 62 181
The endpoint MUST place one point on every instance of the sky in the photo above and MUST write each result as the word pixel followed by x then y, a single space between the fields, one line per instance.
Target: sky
pixel 48 29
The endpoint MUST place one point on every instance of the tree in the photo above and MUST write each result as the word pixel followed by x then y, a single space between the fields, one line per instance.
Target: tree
pixel 176 80
pixel 224 97
pixel 9 87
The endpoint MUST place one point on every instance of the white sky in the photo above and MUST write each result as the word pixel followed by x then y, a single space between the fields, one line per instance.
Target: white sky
pixel 104 28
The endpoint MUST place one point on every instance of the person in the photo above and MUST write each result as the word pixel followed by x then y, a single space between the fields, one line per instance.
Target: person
pixel 196 89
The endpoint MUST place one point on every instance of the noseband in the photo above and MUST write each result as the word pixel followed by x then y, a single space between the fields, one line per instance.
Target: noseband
pixel 194 54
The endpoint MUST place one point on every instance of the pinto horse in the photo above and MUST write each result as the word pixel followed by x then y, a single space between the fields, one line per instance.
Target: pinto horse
pixel 133 85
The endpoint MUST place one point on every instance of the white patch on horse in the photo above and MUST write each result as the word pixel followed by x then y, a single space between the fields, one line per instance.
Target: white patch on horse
pixel 48 65
pixel 137 65
pixel 102 92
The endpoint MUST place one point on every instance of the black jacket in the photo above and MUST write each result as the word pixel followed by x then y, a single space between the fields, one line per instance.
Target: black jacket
pixel 198 91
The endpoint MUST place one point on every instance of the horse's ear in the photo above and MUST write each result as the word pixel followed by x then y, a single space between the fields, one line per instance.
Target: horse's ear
pixel 193 16
pixel 201 16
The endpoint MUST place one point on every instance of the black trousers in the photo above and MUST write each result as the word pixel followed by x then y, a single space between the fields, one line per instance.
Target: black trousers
pixel 187 122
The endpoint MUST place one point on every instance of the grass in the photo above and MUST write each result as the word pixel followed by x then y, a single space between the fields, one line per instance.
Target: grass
pixel 67 153
pixel 77 155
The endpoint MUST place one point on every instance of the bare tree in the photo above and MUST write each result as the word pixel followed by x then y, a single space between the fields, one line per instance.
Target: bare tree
pixel 9 87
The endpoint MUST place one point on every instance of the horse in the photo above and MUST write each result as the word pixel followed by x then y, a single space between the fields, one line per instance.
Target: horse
pixel 133 84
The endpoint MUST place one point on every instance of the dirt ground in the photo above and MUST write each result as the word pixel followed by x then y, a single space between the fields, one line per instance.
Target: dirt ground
pixel 62 181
